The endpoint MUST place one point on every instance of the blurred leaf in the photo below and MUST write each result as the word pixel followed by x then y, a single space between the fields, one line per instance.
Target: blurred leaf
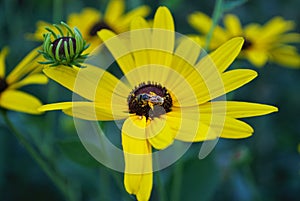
pixel 75 151
pixel 172 3
pixel 200 179
pixel 230 5
pixel 112 130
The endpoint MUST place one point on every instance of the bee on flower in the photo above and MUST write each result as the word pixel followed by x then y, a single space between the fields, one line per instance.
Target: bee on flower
pixel 168 92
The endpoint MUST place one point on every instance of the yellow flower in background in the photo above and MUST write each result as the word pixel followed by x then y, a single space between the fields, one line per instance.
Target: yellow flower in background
pixel 263 43
pixel 167 93
pixel 89 21
pixel 25 73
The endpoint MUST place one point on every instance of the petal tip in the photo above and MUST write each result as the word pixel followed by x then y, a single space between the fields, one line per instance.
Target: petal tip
pixel 273 109
pixel 238 40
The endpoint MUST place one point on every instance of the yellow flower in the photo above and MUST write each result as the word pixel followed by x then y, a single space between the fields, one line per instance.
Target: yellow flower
pixel 263 43
pixel 25 73
pixel 90 20
pixel 166 94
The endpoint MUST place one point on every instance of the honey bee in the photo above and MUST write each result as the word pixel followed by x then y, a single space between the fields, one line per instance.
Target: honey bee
pixel 150 99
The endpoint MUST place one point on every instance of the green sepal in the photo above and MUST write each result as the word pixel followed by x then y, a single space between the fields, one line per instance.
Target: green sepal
pixel 66 51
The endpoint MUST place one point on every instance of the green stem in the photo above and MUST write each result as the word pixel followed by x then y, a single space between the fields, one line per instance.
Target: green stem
pixel 57 11
pixel 176 187
pixel 104 186
pixel 52 119
pixel 35 155
pixel 160 187
pixel 215 19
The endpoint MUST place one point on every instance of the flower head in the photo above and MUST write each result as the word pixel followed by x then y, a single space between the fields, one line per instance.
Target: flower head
pixel 89 21
pixel 64 49
pixel 25 73
pixel 168 92
pixel 263 43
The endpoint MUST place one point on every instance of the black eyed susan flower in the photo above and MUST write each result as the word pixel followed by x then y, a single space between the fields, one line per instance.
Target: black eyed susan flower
pixel 65 49
pixel 168 92
pixel 263 43
pixel 25 73
pixel 89 21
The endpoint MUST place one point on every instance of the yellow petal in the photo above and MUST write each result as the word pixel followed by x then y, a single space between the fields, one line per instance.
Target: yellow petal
pixel 233 25
pixel 40 31
pixel 136 147
pixel 224 55
pixel 216 85
pixel 138 160
pixel 3 55
pixel 236 109
pixel 235 79
pixel 111 92
pixel 200 40
pixel 139 185
pixel 139 23
pixel 65 76
pixel 163 19
pixel 55 106
pixel 234 129
pixel 124 22
pixel 163 37
pixel 92 111
pixel 188 50
pixel 135 127
pixel 286 56
pixel 114 10
pixel 31 79
pixel 220 117
pixel 118 49
pixel 197 78
pixel 86 110
pixel 90 17
pixel 257 58
pixel 90 82
pixel 252 30
pixel 141 41
pixel 29 63
pixel 20 101
pixel 159 133
pixel 202 23
pixel 289 38
pixel 276 26
pixel 203 132
pixel 205 80
pixel 227 127
pixel 188 126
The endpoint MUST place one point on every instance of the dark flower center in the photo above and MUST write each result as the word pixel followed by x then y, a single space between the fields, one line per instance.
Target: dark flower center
pixel 150 100
pixel 3 85
pixel 247 44
pixel 61 50
pixel 99 26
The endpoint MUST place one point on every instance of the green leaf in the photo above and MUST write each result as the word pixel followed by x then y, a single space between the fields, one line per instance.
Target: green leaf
pixel 75 151
pixel 173 3
pixel 230 5
pixel 200 179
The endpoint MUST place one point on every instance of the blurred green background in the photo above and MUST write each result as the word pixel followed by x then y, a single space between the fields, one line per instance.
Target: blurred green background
pixel 263 167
